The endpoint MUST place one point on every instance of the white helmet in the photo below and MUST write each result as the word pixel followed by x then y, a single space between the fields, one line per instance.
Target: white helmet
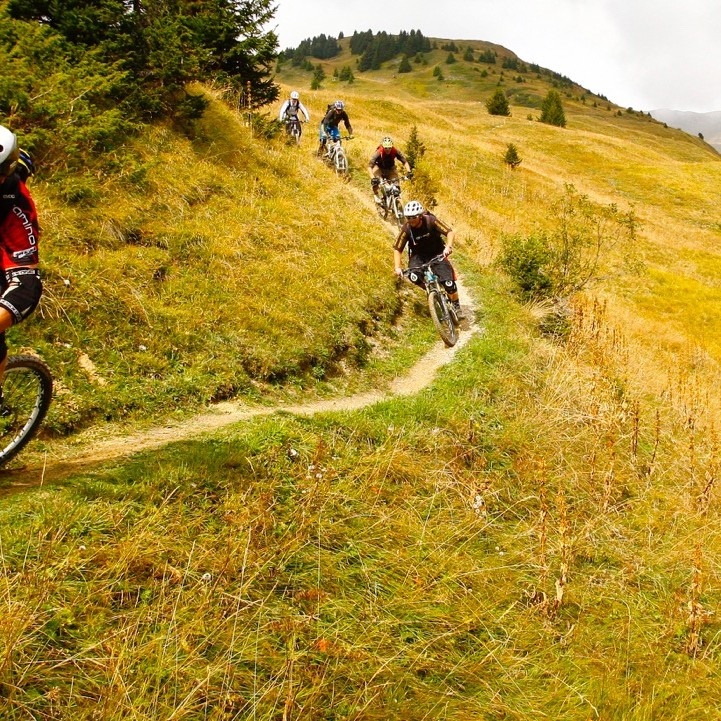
pixel 412 209
pixel 294 95
pixel 9 151
pixel 339 105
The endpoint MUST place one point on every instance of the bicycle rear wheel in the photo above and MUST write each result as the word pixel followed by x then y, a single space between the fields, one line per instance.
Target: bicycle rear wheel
pixel 27 390
pixel 438 305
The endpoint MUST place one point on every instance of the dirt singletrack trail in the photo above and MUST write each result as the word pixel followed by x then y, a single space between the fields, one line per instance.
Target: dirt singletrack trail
pixel 224 414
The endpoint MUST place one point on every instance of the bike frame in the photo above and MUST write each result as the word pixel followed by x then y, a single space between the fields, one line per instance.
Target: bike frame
pixel 293 128
pixel 391 199
pixel 442 311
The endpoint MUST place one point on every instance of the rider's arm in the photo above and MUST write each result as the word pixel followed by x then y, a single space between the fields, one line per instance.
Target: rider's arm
pixel 283 107
pixel 398 247
pixel 348 127
pixel 450 237
pixel 402 159
pixel 397 260
pixel 301 107
pixel 372 163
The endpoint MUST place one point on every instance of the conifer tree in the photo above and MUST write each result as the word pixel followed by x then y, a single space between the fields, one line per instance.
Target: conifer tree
pixel 552 110
pixel 512 158
pixel 497 104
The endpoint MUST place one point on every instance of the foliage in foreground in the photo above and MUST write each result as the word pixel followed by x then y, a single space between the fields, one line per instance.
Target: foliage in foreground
pixel 436 557
pixel 78 78
pixel 568 255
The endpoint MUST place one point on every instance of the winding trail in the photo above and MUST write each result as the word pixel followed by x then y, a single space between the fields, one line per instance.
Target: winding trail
pixel 224 414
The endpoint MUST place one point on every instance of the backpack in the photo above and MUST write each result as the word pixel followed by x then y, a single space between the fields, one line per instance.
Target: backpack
pixel 394 152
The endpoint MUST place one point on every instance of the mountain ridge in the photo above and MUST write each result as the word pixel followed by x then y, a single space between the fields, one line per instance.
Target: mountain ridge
pixel 707 124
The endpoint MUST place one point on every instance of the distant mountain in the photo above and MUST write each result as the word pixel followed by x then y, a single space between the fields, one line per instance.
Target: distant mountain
pixel 708 124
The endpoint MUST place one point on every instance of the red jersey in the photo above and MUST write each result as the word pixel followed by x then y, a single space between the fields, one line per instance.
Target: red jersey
pixel 19 230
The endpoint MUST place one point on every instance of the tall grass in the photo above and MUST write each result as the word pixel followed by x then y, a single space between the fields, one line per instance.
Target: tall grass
pixel 535 535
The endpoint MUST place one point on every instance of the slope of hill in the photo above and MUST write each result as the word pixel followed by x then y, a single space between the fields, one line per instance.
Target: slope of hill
pixel 535 535
pixel 708 124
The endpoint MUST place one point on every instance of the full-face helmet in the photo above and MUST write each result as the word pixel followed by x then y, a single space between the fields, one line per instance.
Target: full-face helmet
pixel 9 151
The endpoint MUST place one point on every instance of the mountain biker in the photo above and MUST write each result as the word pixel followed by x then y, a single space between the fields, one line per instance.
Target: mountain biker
pixel 291 107
pixel 383 165
pixel 20 285
pixel 329 125
pixel 426 237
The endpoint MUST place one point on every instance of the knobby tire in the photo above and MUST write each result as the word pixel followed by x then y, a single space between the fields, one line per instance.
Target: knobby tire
pixel 397 211
pixel 441 315
pixel 341 162
pixel 27 392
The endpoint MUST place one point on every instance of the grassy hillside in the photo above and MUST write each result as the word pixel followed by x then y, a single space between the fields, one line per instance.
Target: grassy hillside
pixel 534 536
pixel 199 268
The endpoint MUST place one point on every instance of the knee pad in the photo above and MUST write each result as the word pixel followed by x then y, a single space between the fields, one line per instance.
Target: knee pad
pixel 450 286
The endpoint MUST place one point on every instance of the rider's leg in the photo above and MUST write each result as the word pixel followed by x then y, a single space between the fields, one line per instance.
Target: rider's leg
pixel 416 274
pixel 447 276
pixel 6 320
pixel 19 299
pixel 375 183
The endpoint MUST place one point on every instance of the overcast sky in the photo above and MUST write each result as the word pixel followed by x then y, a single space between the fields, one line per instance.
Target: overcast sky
pixel 644 54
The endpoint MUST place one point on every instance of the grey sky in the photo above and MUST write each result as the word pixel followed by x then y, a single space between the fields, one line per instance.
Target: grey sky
pixel 644 54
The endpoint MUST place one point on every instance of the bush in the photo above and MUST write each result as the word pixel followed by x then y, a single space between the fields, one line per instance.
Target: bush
pixel 497 104
pixel 557 262
pixel 512 157
pixel 528 262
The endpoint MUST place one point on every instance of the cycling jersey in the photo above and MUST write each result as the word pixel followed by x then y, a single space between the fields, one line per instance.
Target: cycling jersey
pixel 386 161
pixel 333 119
pixel 19 229
pixel 290 109
pixel 424 242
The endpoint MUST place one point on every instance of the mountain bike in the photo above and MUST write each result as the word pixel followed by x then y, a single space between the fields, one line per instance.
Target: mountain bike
pixel 27 390
pixel 294 129
pixel 335 156
pixel 391 205
pixel 443 313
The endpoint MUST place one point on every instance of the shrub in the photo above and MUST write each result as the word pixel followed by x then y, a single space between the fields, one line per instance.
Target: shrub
pixel 559 261
pixel 512 157
pixel 497 104
pixel 528 261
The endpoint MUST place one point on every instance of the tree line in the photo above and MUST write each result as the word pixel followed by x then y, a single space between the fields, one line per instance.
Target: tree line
pixel 373 48
pixel 78 76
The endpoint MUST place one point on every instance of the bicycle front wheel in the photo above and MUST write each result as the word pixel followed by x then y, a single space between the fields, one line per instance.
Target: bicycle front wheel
pixel 397 210
pixel 341 162
pixel 26 394
pixel 438 305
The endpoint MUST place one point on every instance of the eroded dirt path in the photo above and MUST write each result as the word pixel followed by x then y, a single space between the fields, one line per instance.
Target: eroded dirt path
pixel 225 414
